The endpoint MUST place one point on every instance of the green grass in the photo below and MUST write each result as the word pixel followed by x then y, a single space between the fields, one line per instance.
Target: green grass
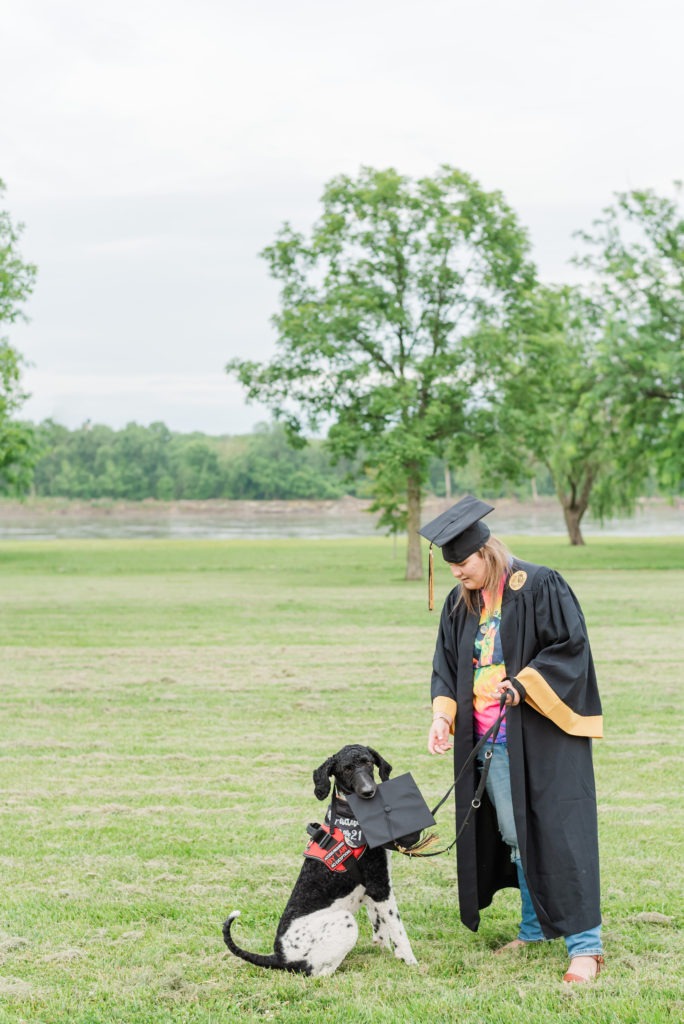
pixel 163 706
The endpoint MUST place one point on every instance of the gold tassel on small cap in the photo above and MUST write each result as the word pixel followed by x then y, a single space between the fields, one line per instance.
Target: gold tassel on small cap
pixel 418 849
pixel 459 532
pixel 431 580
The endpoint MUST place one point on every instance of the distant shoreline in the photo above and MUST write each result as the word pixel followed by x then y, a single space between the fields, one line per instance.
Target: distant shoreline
pixel 11 507
pixel 153 506
pixel 44 518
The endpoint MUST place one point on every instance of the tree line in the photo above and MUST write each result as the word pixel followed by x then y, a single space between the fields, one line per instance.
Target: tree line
pixel 152 462
pixel 140 462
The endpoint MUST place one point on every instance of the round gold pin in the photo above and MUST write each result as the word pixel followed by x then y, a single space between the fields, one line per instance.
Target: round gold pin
pixel 517 580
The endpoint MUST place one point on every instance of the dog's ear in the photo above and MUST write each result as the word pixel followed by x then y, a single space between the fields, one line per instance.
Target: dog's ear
pixel 384 768
pixel 321 777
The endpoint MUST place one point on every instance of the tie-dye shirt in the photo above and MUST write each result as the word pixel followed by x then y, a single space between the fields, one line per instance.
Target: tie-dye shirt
pixel 489 665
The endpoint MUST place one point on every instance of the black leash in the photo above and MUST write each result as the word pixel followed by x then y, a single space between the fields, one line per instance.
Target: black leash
pixel 476 802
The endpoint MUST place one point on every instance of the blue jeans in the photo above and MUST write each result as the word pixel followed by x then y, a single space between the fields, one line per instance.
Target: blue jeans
pixel 586 943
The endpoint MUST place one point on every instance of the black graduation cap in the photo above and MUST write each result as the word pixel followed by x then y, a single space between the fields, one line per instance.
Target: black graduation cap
pixel 459 532
pixel 396 810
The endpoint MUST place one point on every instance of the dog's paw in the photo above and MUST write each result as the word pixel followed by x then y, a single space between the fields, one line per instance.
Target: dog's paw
pixel 408 958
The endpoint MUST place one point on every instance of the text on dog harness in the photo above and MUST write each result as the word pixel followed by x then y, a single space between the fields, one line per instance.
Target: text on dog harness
pixel 330 847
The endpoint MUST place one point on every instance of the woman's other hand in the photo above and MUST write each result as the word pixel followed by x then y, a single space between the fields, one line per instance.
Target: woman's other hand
pixel 438 737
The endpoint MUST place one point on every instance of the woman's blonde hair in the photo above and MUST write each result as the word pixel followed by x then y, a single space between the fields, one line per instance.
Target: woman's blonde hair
pixel 497 560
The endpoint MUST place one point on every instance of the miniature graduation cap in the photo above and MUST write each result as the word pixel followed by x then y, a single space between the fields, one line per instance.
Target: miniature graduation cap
pixel 459 532
pixel 396 810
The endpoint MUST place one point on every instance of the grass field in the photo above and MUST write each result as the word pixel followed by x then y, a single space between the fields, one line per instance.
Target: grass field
pixel 163 706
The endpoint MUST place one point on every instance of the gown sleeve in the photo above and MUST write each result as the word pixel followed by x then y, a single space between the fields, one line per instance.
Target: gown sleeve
pixel 444 667
pixel 560 681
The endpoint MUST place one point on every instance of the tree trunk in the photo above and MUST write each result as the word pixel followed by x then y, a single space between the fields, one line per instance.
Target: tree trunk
pixel 573 517
pixel 447 481
pixel 575 501
pixel 414 560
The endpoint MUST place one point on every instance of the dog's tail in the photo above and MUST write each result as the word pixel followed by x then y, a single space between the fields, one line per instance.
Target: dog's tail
pixel 272 960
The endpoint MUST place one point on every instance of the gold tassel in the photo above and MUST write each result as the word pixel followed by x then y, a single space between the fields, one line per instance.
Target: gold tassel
pixel 431 580
pixel 418 849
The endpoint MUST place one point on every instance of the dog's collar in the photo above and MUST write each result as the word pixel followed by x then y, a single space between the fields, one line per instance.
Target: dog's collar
pixel 339 815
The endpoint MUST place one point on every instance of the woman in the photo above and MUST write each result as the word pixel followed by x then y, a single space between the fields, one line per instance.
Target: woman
pixel 516 629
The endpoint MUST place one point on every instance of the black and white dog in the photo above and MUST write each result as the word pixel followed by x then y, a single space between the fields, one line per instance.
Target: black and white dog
pixel 339 875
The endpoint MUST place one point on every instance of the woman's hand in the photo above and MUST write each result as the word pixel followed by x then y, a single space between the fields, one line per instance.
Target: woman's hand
pixel 438 737
pixel 512 695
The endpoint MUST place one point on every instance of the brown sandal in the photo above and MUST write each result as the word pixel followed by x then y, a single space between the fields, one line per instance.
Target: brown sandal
pixel 569 977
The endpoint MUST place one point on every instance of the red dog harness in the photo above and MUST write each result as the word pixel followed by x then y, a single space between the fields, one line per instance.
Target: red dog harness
pixel 331 848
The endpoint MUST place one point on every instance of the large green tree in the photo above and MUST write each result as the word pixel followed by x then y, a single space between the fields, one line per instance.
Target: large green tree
pixel 635 253
pixel 593 389
pixel 378 308
pixel 555 407
pixel 17 448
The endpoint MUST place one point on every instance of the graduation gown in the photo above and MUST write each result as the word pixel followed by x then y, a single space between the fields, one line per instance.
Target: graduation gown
pixel 549 735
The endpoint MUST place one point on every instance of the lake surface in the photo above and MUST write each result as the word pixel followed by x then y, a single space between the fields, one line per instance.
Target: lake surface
pixel 217 520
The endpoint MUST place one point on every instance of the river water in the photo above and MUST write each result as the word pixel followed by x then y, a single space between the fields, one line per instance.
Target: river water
pixel 216 520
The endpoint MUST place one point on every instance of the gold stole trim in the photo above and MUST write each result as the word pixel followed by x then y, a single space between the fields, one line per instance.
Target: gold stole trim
pixel 546 701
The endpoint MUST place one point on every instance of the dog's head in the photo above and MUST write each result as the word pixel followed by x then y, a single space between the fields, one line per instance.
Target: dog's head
pixel 352 768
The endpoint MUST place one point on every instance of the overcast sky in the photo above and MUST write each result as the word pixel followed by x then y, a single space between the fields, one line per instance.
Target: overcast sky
pixel 153 149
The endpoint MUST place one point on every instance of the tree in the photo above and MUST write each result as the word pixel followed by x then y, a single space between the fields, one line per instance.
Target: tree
pixel 17 447
pixel 594 387
pixel 378 309
pixel 18 450
pixel 195 468
pixel 269 467
pixel 636 253
pixel 556 407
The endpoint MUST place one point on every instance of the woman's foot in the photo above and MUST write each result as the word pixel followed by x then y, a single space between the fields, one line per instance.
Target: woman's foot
pixel 511 946
pixel 583 968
